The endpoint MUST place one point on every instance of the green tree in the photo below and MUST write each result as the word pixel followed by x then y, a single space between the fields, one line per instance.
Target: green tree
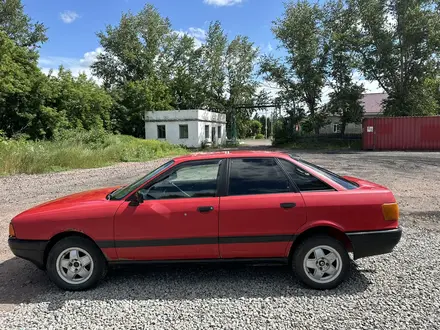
pixel 134 49
pixel 255 127
pixel 241 56
pixel 18 26
pixel 186 80
pixel 137 66
pixel 300 31
pixel 214 73
pixel 346 94
pixel 397 42
pixel 23 90
pixel 80 100
pixel 133 99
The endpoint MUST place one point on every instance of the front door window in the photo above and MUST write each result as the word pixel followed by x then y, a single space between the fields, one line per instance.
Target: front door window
pixel 191 181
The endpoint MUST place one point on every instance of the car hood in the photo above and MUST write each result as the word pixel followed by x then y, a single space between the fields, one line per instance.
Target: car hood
pixel 68 202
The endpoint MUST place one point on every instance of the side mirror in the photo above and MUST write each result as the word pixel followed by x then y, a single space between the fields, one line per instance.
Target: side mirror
pixel 136 199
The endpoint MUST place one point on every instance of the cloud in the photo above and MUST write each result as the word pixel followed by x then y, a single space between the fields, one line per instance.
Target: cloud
pixel 222 3
pixel 76 65
pixel 90 57
pixel 68 16
pixel 269 48
pixel 198 34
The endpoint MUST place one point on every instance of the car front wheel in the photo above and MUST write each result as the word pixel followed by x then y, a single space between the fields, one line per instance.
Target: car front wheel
pixel 321 262
pixel 75 263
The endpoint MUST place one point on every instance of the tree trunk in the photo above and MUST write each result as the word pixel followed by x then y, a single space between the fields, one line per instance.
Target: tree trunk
pixel 343 125
pixel 312 115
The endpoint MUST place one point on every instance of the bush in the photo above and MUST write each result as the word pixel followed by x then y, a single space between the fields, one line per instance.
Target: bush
pixel 255 127
pixel 78 149
pixel 259 136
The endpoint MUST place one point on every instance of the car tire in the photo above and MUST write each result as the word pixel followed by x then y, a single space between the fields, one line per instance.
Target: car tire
pixel 321 262
pixel 75 263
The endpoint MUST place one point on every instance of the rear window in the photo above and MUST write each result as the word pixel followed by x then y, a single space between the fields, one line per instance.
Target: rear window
pixel 330 175
pixel 303 179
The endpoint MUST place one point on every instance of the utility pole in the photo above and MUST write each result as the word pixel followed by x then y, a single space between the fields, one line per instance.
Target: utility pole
pixel 234 125
pixel 265 117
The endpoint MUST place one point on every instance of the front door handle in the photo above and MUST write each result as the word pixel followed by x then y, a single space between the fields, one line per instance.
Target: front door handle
pixel 205 209
pixel 288 205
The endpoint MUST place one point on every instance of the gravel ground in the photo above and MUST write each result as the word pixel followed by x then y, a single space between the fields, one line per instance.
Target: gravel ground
pixel 393 291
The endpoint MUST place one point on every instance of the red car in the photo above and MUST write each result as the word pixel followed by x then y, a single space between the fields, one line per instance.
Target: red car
pixel 225 206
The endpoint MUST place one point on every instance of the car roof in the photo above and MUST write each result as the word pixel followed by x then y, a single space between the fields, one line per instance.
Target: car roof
pixel 229 154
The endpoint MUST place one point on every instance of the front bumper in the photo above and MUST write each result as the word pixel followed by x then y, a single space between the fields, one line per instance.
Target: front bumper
pixel 29 249
pixel 371 243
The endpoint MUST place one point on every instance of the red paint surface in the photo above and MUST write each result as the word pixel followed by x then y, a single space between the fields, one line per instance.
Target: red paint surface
pixel 401 133
pixel 259 215
pixel 168 219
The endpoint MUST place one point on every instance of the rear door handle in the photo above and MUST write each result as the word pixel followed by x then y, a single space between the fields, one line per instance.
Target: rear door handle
pixel 288 205
pixel 205 209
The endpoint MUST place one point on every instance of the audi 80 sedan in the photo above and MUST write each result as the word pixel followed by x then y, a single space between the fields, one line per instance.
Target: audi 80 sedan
pixel 223 206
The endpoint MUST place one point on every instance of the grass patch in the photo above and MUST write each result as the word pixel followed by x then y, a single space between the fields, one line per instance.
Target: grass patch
pixel 79 149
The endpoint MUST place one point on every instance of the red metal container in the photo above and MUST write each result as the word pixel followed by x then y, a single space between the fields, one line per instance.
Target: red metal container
pixel 401 133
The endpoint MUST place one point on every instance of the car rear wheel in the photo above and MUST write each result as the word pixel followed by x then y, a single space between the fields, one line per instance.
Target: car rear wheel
pixel 321 262
pixel 75 263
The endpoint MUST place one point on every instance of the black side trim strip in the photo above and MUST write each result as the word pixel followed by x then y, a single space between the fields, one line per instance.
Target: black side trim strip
pixel 195 241
pixel 201 261
pixel 168 242
pixel 255 239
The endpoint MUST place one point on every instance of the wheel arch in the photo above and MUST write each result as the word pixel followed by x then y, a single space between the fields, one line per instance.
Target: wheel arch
pixel 58 237
pixel 323 229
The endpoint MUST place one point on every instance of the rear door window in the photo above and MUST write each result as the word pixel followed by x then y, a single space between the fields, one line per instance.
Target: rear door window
pixel 255 176
pixel 303 179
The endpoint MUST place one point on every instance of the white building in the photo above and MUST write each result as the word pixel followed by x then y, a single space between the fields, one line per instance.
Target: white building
pixel 186 127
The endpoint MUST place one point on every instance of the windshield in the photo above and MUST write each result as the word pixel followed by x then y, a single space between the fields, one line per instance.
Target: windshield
pixel 332 176
pixel 124 191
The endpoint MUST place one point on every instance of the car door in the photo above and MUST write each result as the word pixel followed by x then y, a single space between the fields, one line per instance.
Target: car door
pixel 261 212
pixel 178 218
pixel 323 201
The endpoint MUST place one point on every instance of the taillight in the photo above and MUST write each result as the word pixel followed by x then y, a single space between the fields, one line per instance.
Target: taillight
pixel 11 230
pixel 390 211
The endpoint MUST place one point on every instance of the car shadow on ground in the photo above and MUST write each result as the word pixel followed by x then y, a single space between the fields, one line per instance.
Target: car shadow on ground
pixel 21 282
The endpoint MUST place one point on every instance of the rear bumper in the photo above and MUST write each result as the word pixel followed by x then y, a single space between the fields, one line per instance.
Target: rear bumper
pixel 29 249
pixel 370 243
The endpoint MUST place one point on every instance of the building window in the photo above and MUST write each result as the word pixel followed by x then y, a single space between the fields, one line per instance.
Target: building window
pixel 219 132
pixel 207 132
pixel 183 131
pixel 336 128
pixel 161 133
